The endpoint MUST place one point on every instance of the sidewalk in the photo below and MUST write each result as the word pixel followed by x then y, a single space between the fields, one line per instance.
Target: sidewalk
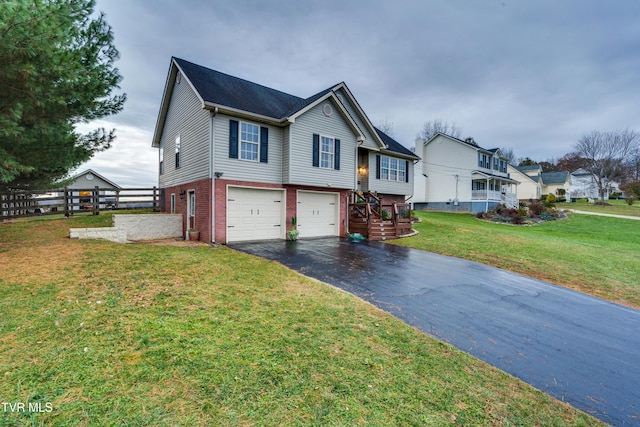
pixel 604 214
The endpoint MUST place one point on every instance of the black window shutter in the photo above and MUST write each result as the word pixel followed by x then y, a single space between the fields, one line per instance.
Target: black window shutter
pixel 336 157
pixel 233 139
pixel 316 150
pixel 264 145
pixel 377 166
pixel 406 171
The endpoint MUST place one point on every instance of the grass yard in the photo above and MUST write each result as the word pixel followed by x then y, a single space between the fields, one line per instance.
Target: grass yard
pixel 102 334
pixel 618 207
pixel 593 254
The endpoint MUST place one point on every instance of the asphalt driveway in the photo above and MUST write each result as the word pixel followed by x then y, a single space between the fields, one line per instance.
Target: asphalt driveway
pixel 577 348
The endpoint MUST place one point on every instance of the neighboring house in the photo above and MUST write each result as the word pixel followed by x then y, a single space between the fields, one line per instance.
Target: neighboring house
pixel 530 180
pixel 243 161
pixel 540 183
pixel 557 183
pixel 462 176
pixel 584 185
pixel 80 187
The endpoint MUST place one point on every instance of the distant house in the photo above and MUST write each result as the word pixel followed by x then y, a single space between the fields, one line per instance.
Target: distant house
pixel 80 187
pixel 585 185
pixel 462 176
pixel 530 178
pixel 241 161
pixel 557 183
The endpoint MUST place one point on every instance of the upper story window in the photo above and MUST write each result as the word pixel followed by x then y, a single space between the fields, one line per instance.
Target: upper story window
pixel 496 163
pixel 177 151
pixel 327 151
pixel 161 160
pixel 503 166
pixel 483 161
pixel 393 169
pixel 249 141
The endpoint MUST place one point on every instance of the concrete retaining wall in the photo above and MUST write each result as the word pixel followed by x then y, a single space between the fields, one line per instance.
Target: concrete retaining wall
pixel 132 227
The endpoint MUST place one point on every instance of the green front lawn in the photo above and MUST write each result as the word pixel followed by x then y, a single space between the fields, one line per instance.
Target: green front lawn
pixel 102 334
pixel 593 254
pixel 618 207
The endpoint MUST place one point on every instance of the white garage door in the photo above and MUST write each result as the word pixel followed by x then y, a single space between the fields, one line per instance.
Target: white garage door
pixel 255 214
pixel 318 214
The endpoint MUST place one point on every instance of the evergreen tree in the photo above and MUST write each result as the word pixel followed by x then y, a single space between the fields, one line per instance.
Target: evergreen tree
pixel 56 70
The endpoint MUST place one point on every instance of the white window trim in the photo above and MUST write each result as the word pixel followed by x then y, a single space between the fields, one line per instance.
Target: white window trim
pixel 241 141
pixel 178 146
pixel 387 171
pixel 331 153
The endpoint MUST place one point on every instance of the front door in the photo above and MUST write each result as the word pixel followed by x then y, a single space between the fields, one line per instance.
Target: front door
pixel 191 210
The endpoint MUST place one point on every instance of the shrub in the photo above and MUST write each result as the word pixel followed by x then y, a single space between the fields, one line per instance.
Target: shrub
pixel 536 208
pixel 546 216
pixel 550 200
pixel 630 200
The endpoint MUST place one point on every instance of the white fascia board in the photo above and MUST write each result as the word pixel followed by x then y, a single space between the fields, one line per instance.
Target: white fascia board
pixel 343 111
pixel 174 69
pixel 361 112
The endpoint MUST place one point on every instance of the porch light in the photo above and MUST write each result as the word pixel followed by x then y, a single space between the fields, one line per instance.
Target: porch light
pixel 362 170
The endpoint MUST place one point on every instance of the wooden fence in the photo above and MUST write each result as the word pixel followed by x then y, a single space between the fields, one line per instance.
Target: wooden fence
pixel 68 201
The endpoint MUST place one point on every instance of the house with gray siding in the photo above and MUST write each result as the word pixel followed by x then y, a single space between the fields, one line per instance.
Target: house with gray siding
pixel 241 161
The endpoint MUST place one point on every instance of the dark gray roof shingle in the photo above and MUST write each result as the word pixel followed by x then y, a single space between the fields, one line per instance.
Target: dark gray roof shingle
pixel 222 89
pixel 551 178
pixel 394 145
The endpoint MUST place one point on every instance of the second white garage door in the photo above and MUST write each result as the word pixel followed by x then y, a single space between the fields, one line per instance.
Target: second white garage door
pixel 255 214
pixel 318 214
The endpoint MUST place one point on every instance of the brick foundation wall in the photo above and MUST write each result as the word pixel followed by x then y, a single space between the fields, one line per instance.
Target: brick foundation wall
pixel 202 217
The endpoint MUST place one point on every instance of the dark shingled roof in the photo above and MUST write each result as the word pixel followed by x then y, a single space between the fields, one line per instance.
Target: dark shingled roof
pixel 222 89
pixel 394 145
pixel 527 168
pixel 551 178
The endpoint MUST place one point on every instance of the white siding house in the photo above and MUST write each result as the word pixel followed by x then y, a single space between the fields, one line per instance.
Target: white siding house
pixel 460 175
pixel 243 161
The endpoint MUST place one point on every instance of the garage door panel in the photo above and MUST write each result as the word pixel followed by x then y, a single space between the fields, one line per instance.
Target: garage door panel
pixel 254 214
pixel 318 214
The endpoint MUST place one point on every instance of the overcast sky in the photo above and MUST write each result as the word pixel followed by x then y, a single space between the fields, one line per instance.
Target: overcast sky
pixel 533 76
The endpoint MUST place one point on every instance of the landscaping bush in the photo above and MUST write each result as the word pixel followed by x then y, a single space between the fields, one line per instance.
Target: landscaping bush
pixel 630 200
pixel 546 216
pixel 550 201
pixel 536 208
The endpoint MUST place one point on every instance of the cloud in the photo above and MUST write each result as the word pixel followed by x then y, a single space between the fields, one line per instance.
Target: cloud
pixel 533 76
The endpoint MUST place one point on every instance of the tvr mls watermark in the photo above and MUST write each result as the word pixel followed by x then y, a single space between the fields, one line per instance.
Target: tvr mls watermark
pixel 27 407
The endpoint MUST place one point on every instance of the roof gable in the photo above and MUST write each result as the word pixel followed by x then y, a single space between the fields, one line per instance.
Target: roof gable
pixel 95 174
pixel 220 91
pixel 469 142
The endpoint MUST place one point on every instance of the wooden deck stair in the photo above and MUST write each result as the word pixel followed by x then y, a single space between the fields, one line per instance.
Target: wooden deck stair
pixel 366 217
pixel 382 230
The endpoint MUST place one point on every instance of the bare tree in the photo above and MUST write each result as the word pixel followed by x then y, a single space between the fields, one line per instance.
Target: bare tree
pixel 386 126
pixel 605 154
pixel 571 162
pixel 509 154
pixel 431 128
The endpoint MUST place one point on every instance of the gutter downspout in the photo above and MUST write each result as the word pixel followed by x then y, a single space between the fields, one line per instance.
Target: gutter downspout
pixel 212 140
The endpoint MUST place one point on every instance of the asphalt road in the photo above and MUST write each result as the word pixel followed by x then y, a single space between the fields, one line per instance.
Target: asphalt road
pixel 577 348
